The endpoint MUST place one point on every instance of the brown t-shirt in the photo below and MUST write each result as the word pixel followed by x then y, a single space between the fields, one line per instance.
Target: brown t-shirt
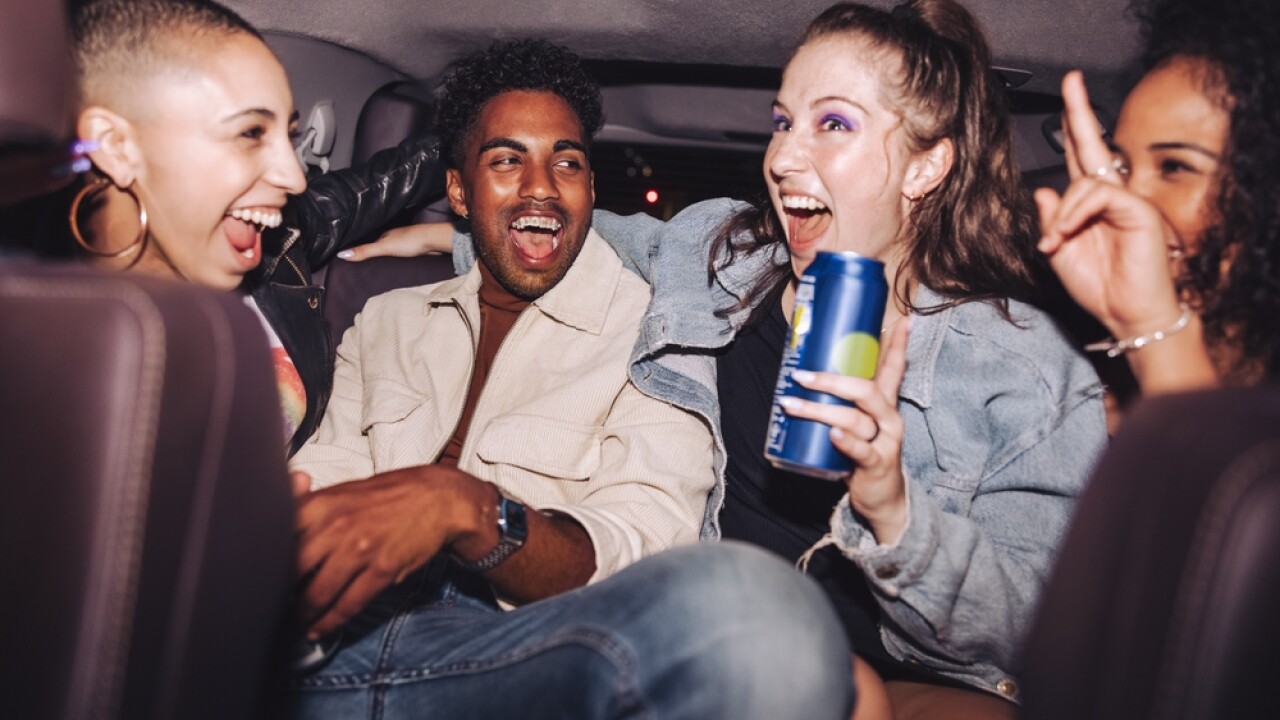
pixel 499 310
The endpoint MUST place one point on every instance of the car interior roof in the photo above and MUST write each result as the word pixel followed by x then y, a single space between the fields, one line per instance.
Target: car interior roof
pixel 699 71
pixel 1043 37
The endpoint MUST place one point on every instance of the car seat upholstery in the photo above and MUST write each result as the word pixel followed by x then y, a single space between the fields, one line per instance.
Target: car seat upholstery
pixel 390 115
pixel 34 107
pixel 147 518
pixel 1164 602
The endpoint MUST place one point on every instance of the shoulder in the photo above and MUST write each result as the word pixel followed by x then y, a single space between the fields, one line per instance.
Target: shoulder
pixel 708 213
pixel 631 294
pixel 973 350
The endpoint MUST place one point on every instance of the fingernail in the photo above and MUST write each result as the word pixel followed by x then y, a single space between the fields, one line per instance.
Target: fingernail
pixel 787 401
pixel 837 433
pixel 803 376
pixel 346 254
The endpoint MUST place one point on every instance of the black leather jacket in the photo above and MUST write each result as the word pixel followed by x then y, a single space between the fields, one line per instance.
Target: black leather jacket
pixel 335 211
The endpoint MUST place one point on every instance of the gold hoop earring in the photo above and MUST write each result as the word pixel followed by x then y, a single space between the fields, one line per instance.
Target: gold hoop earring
pixel 92 189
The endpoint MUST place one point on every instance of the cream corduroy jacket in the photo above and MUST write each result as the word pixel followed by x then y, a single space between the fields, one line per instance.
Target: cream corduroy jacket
pixel 557 426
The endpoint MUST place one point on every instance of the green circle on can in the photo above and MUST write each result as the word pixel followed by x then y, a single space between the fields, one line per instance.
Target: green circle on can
pixel 856 354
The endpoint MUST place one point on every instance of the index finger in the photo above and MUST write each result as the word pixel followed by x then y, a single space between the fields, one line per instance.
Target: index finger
pixel 1088 151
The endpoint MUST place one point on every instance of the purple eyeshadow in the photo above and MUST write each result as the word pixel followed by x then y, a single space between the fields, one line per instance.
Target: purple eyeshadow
pixel 841 119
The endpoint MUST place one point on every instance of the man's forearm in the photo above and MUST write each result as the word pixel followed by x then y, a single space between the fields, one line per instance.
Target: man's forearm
pixel 557 556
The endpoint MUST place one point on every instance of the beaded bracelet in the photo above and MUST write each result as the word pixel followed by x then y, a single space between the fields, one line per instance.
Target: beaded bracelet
pixel 1115 348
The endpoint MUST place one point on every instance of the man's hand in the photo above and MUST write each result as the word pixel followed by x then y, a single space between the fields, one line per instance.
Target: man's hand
pixel 360 537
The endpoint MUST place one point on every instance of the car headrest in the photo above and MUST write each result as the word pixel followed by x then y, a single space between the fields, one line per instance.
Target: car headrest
pixel 394 112
pixel 35 89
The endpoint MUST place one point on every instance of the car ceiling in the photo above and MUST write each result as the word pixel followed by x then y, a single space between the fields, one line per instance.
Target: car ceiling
pixel 699 71
pixel 420 38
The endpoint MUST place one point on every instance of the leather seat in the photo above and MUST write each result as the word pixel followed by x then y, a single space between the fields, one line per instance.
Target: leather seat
pixel 1164 602
pixel 147 518
pixel 35 69
pixel 391 114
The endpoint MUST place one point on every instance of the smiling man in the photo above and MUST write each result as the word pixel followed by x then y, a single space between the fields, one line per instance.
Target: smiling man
pixel 484 449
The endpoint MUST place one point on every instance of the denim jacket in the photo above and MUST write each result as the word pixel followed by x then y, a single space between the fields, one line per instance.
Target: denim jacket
pixel 1003 424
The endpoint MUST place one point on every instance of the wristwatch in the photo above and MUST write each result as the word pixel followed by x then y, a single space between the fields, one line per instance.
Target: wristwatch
pixel 513 528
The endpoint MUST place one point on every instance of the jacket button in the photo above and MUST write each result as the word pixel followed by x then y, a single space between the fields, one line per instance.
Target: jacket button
pixel 1007 688
pixel 313 302
pixel 887 572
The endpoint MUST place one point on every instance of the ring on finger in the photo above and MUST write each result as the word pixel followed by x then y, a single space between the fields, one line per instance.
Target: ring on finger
pixel 1116 166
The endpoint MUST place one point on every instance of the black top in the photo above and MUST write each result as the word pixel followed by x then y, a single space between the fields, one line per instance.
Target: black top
pixel 777 510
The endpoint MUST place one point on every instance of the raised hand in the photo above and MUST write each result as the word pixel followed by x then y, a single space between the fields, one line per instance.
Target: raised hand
pixel 1112 249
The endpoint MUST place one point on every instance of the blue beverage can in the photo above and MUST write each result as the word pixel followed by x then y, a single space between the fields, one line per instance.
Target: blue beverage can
pixel 835 328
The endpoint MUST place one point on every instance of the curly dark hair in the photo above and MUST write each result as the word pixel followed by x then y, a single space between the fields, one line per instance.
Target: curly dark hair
pixel 972 237
pixel 528 64
pixel 1235 273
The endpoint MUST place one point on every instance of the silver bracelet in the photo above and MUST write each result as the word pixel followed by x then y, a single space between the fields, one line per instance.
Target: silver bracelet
pixel 1115 348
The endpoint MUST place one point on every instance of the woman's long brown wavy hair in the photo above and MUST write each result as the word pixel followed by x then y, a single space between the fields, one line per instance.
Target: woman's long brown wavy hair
pixel 972 237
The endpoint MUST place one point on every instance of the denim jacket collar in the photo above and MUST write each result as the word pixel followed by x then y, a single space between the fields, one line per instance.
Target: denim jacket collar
pixel 927 334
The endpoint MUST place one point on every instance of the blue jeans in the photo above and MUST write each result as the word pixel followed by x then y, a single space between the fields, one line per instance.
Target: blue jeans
pixel 706 631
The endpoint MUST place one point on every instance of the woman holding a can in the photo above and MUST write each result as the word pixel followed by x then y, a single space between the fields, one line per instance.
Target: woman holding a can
pixel 891 139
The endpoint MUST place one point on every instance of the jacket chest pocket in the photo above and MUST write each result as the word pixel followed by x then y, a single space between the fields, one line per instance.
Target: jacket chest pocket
pixel 954 493
pixel 543 446
pixel 400 424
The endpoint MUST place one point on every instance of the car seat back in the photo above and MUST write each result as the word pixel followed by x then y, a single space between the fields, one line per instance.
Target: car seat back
pixel 1163 603
pixel 148 517
pixel 391 114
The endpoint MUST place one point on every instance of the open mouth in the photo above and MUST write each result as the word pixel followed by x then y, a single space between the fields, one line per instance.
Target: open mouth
pixel 536 237
pixel 807 219
pixel 243 228
pixel 263 218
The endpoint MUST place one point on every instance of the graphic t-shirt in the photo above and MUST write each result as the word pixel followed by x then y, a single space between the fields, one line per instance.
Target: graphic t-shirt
pixel 293 396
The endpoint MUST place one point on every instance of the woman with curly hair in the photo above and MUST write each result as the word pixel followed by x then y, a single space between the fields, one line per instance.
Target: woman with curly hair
pixel 1171 238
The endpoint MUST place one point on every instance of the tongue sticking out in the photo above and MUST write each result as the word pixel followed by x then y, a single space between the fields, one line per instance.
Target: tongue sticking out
pixel 805 226
pixel 534 244
pixel 794 221
pixel 243 235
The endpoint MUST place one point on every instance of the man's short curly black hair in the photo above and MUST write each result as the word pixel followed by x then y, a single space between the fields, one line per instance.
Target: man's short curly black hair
pixel 528 64
pixel 1236 42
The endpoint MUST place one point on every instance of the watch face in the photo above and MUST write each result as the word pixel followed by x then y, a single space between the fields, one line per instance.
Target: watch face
pixel 513 523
